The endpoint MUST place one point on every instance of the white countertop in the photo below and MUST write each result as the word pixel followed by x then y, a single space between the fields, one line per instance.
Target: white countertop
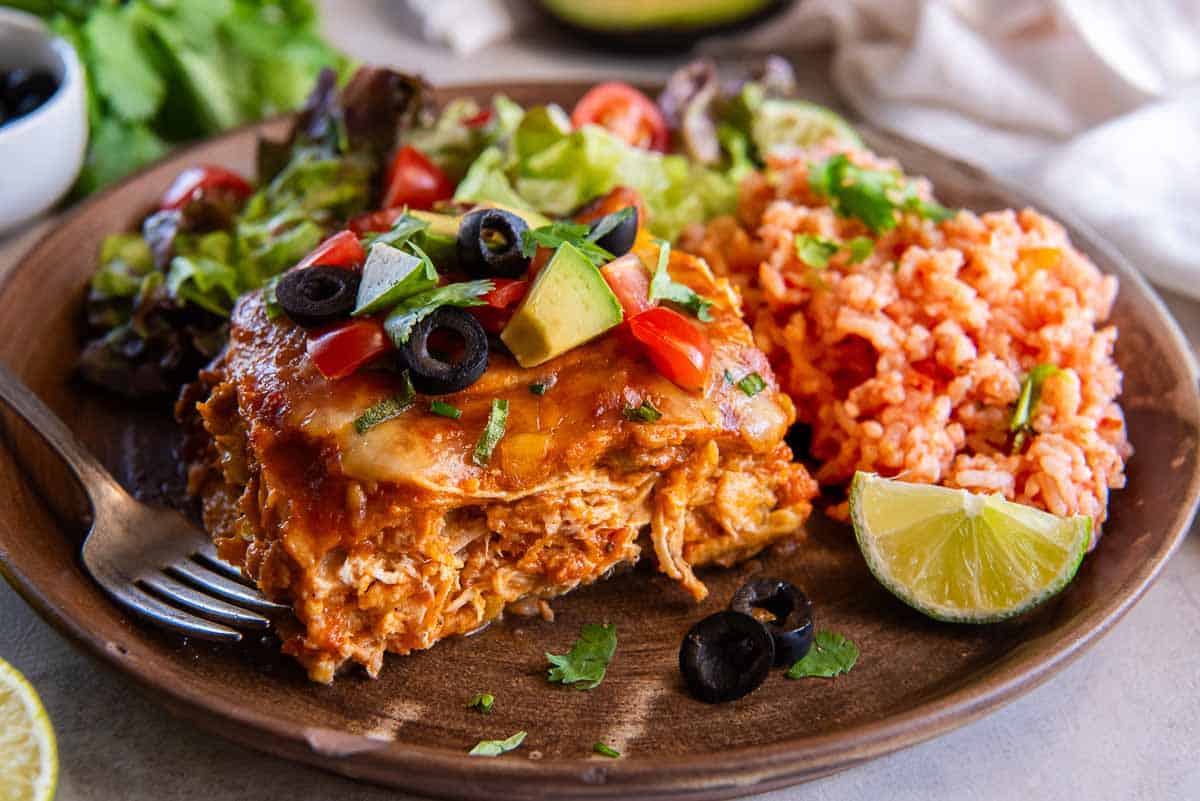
pixel 1121 724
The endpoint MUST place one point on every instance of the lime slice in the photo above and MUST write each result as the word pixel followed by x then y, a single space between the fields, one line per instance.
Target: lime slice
pixel 783 124
pixel 28 754
pixel 961 557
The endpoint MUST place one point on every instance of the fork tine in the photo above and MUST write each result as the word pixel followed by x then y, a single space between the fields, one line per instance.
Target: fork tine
pixel 146 606
pixel 206 554
pixel 206 605
pixel 214 584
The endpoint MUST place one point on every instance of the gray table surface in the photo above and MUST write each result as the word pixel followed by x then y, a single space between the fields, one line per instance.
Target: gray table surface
pixel 1121 724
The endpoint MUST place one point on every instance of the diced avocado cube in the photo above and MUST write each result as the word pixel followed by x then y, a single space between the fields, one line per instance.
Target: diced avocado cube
pixel 440 238
pixel 568 304
pixel 389 276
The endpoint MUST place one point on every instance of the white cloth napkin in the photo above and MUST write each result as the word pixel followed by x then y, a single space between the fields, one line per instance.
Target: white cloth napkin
pixel 1094 104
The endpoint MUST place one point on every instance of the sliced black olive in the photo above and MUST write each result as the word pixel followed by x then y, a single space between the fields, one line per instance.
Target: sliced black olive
pixel 316 296
pixel 489 244
pixel 788 612
pixel 620 239
pixel 436 373
pixel 725 656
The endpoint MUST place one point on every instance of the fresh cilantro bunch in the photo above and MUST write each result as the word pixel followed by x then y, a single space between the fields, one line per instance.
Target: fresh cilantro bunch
pixel 162 72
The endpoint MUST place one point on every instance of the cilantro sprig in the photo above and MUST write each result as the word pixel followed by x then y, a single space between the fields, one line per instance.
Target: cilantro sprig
pixel 872 196
pixel 831 655
pixel 1019 425
pixel 663 287
pixel 816 251
pixel 586 663
pixel 556 234
pixel 415 308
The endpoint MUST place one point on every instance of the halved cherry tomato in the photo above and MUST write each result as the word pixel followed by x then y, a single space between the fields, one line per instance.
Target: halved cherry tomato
pixel 479 120
pixel 196 180
pixel 619 197
pixel 341 349
pixel 501 304
pixel 625 112
pixel 375 222
pixel 340 250
pixel 415 181
pixel 628 280
pixel 679 350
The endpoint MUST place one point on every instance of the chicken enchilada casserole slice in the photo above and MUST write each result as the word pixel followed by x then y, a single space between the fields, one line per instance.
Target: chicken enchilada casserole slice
pixel 394 536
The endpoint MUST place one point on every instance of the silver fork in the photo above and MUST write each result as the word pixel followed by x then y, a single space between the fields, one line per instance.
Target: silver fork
pixel 150 560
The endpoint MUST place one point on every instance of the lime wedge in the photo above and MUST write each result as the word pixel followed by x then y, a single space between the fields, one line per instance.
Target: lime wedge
pixel 961 557
pixel 784 124
pixel 28 754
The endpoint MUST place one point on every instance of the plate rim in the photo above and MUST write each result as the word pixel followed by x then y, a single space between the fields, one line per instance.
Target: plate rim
pixel 726 773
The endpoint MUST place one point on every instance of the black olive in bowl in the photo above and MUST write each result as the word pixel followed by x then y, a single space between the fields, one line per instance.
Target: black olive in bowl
pixel 489 244
pixel 434 373
pixel 790 622
pixel 316 296
pixel 725 656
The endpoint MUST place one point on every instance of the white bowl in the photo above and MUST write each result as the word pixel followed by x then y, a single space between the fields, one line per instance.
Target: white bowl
pixel 42 152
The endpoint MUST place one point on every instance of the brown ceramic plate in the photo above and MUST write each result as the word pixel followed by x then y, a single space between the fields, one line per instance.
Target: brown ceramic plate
pixel 915 678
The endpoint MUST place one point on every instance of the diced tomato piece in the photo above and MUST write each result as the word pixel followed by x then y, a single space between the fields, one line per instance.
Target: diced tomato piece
pixel 619 197
pixel 415 181
pixel 507 293
pixel 479 120
pixel 501 304
pixel 341 349
pixel 626 113
pixel 541 258
pixel 208 178
pixel 679 349
pixel 340 250
pixel 628 280
pixel 375 222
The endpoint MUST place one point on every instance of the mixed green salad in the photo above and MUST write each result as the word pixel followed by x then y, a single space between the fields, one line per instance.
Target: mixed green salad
pixel 362 157
pixel 161 72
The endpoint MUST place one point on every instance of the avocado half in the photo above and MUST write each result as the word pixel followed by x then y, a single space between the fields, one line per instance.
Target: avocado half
pixel 656 24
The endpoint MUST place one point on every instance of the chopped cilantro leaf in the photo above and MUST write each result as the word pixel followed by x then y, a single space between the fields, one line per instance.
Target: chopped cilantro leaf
pixel 815 251
pixel 444 409
pixel 538 389
pixel 608 223
pixel 415 308
pixel 831 655
pixel 872 196
pixel 645 413
pixel 555 234
pixel 860 247
pixel 752 384
pixel 387 408
pixel 405 228
pixel 482 701
pixel 606 750
pixel 729 377
pixel 663 287
pixel 1027 401
pixel 586 663
pixel 492 432
pixel 493 748
pixel 270 301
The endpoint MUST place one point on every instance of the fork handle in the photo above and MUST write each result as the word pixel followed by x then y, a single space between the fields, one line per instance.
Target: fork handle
pixel 99 484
